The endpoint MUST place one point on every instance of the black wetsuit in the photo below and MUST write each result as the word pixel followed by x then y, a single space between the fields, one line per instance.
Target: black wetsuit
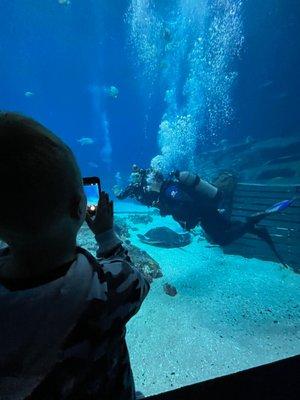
pixel 189 209
pixel 134 190
pixel 138 190
pixel 139 193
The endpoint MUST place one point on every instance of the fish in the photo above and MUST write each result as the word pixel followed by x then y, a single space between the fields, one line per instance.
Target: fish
pixel 112 91
pixel 64 2
pixel 84 141
pixel 281 96
pixel 266 84
pixel 28 94
pixel 165 237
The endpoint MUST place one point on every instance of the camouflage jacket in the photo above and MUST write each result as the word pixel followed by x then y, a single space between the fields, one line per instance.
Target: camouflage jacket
pixel 72 342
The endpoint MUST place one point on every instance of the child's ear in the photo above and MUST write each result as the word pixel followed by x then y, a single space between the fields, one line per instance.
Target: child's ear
pixel 78 207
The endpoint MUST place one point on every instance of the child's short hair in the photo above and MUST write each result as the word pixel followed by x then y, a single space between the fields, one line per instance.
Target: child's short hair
pixel 39 175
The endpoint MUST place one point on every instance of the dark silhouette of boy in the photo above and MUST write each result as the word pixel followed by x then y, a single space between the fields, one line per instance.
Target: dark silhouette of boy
pixel 62 311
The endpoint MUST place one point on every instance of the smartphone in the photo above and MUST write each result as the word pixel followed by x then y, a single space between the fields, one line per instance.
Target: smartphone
pixel 92 189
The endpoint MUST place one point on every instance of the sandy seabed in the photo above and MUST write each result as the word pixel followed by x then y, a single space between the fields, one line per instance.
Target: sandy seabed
pixel 230 313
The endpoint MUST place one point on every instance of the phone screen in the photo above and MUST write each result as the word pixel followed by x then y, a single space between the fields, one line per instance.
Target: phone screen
pixel 92 190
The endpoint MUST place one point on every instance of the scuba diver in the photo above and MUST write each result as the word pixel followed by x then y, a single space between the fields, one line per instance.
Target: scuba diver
pixel 192 201
pixel 137 188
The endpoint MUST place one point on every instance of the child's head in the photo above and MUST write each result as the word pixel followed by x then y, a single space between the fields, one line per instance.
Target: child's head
pixel 41 186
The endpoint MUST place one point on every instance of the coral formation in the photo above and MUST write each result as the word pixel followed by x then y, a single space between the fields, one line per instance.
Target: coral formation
pixel 141 259
pixel 144 263
pixel 122 228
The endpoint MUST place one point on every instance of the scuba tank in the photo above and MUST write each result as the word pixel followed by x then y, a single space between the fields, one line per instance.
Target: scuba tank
pixel 206 189
pixel 202 187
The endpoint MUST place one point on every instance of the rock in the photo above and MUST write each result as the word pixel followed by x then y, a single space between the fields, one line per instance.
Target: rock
pixel 170 290
pixel 141 259
pixel 141 218
pixel 144 263
pixel 122 228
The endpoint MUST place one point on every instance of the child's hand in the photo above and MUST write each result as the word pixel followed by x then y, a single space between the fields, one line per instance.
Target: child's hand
pixel 104 217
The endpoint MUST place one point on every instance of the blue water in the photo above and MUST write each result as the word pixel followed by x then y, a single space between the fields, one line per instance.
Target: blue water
pixel 210 70
pixel 158 81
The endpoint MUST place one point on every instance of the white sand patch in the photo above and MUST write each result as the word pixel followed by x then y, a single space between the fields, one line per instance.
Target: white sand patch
pixel 230 314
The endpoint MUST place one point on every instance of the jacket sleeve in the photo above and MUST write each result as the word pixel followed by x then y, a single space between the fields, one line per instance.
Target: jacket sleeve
pixel 126 286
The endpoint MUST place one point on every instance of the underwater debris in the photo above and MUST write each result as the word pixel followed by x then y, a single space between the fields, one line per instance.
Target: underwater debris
pixel 28 94
pixel 167 35
pixel 170 290
pixel 112 92
pixel 84 141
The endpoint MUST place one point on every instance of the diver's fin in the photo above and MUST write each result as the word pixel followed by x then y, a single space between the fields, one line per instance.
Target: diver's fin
pixel 263 233
pixel 275 209
pixel 279 207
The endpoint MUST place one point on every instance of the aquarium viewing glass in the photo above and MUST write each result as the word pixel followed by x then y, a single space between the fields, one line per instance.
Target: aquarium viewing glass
pixel 139 89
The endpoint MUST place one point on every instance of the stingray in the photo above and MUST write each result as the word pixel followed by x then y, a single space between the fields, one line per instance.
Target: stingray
pixel 165 237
